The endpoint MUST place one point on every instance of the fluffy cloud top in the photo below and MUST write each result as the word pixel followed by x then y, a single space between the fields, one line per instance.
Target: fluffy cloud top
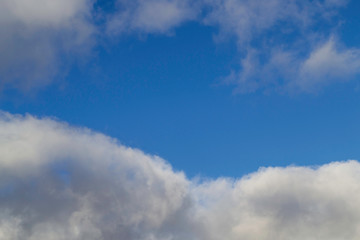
pixel 60 182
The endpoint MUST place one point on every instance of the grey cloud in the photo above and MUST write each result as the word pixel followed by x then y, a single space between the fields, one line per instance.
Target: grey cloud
pixel 34 35
pixel 286 203
pixel 60 182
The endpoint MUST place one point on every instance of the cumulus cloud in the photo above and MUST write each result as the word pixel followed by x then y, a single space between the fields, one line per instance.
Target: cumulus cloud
pixel 34 35
pixel 286 203
pixel 61 182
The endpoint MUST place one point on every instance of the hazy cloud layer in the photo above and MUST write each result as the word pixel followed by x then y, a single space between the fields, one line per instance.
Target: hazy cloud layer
pixel 60 182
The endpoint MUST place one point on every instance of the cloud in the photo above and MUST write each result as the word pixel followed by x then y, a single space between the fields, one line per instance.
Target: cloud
pixel 35 35
pixel 285 203
pixel 61 182
pixel 327 64
pixel 39 39
pixel 279 48
pixel 275 38
pixel 154 16
pixel 247 20
pixel 291 71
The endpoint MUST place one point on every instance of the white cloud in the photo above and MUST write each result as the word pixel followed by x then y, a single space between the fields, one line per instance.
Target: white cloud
pixel 34 35
pixel 60 182
pixel 328 64
pixel 286 203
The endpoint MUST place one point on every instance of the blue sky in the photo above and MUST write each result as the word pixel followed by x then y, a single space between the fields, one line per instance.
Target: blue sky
pixel 179 119
pixel 204 92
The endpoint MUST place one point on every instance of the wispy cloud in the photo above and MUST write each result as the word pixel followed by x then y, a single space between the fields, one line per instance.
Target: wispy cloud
pixel 278 44
pixel 60 182
pixel 291 71
pixel 281 43
pixel 154 16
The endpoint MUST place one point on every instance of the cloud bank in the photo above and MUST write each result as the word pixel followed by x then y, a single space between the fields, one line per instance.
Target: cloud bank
pixel 279 41
pixel 60 182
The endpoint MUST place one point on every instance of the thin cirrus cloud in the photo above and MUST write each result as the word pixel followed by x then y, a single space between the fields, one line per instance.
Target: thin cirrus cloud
pixel 278 47
pixel 71 183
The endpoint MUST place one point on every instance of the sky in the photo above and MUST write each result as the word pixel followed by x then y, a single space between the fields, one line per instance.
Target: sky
pixel 179 119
